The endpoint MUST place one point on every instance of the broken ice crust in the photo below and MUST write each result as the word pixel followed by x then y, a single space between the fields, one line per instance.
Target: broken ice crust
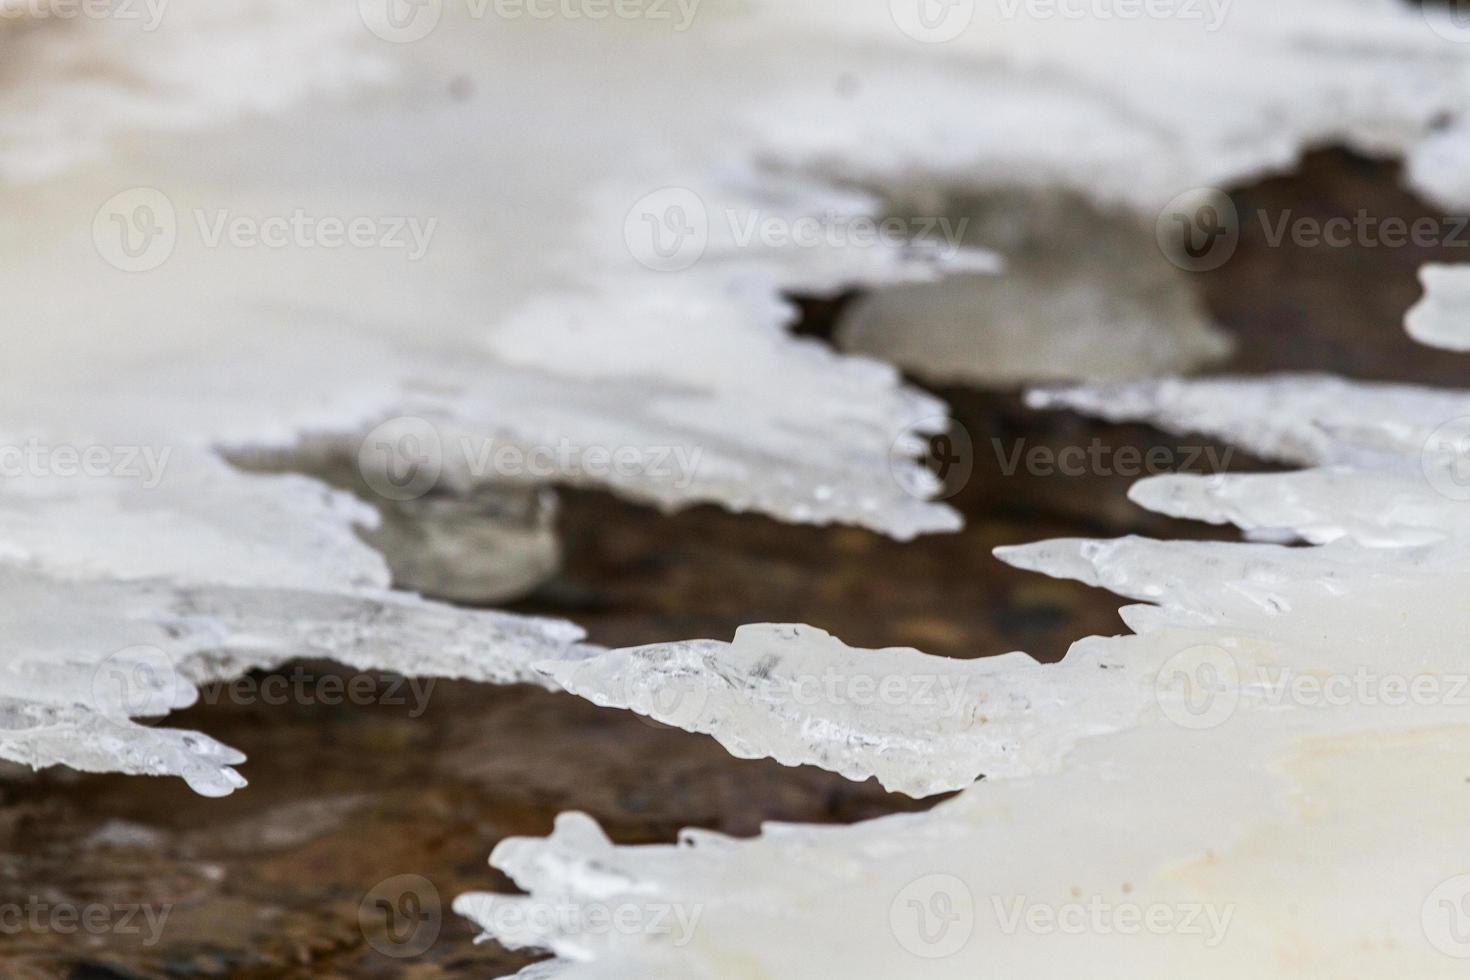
pixel 922 725
pixel 209 347
pixel 626 310
pixel 70 702
pixel 1230 742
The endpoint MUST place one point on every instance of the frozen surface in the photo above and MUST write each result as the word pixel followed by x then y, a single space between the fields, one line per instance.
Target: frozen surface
pixel 921 724
pixel 264 229
pixel 1442 317
pixel 557 258
pixel 1111 105
pixel 1085 294
pixel 1264 778
pixel 87 657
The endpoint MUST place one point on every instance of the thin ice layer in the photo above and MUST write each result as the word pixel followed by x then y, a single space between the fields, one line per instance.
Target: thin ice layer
pixel 479 286
pixel 1288 803
pixel 87 657
pixel 921 724
pixel 1317 505
pixel 1291 719
pixel 1292 418
pixel 1134 862
pixel 1106 101
pixel 215 255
